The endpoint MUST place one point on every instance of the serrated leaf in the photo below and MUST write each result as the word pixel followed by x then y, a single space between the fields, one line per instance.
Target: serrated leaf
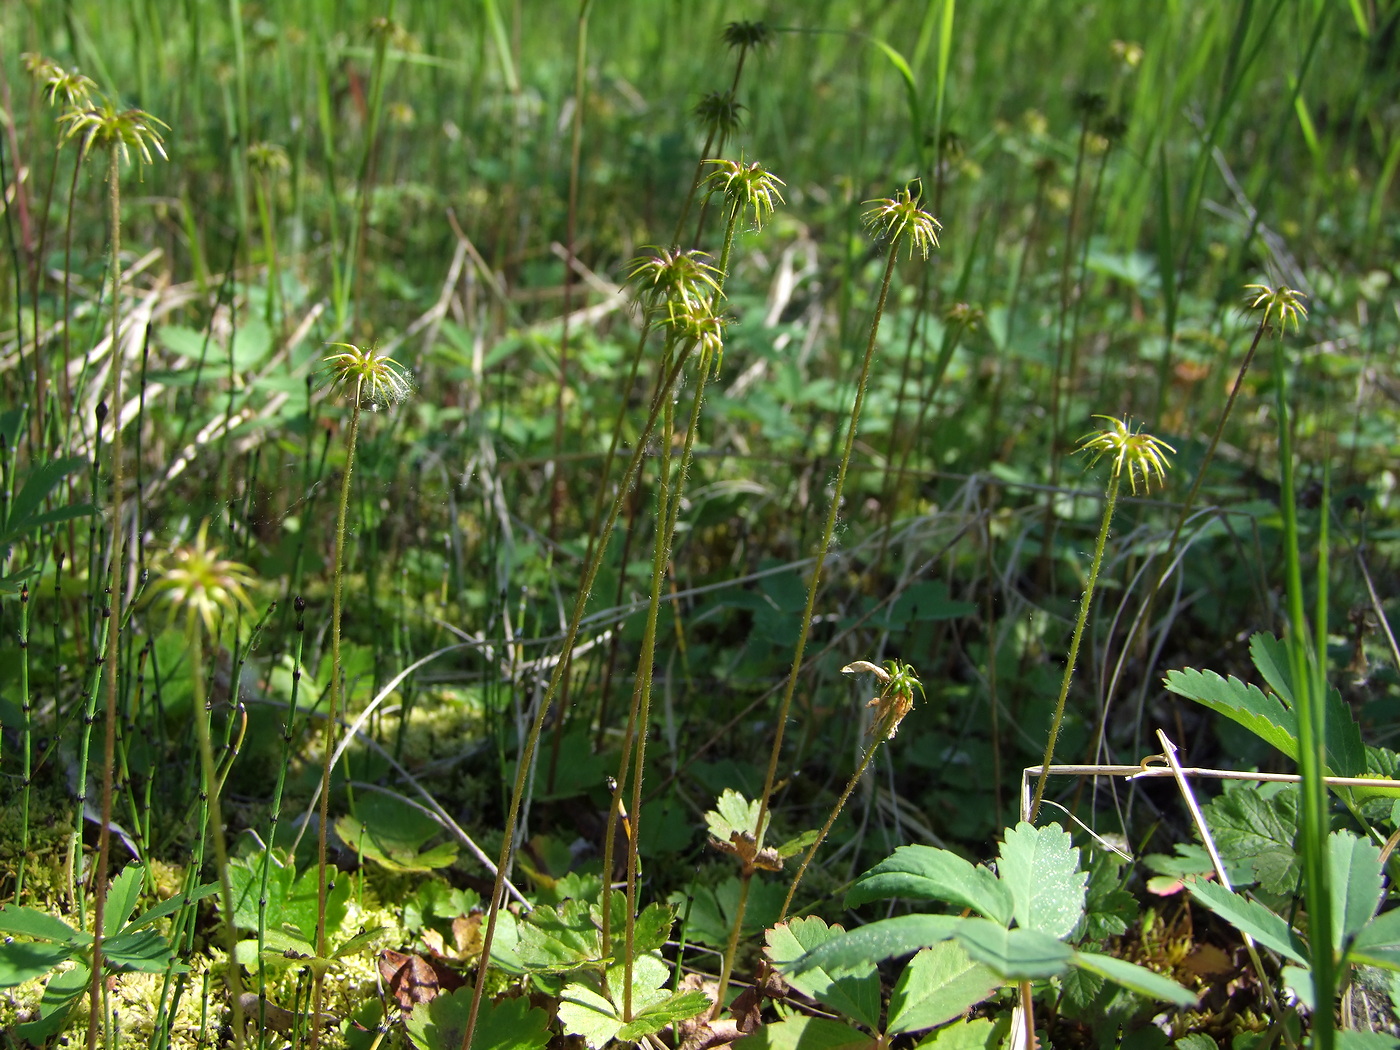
pixel 1346 756
pixel 584 1011
pixel 802 1032
pixel 558 940
pixel 976 1034
pixel 1080 988
pixel 939 984
pixel 1252 918
pixel 145 951
pixel 511 1024
pixel 1135 978
pixel 1017 954
pixel 40 925
pixel 1040 866
pixel 122 895
pixel 673 1008
pixel 1355 884
pixel 1108 908
pixel 733 813
pixel 22 961
pixel 712 909
pixel 925 873
pixel 1257 833
pixel 855 994
pixel 876 942
pixel 1259 712
pixel 291 899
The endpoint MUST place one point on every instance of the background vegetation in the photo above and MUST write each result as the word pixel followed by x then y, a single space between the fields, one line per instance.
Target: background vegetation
pixel 465 187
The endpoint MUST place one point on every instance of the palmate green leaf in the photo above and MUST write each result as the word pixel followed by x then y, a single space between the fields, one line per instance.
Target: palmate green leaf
pixel 712 909
pixel 733 813
pixel 1040 866
pixel 1355 884
pixel 1251 917
pixel 939 984
pixel 585 1012
pixel 510 1024
pixel 391 831
pixel 1014 954
pixel 291 899
pixel 876 942
pixel 557 940
pixel 1135 978
pixel 1259 712
pixel 802 1032
pixel 925 873
pixel 1256 830
pixel 855 994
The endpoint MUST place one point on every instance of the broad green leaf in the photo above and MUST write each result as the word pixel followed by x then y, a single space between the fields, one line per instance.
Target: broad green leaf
pixel 801 1032
pixel 1356 884
pixel 586 1013
pixel 1270 656
pixel 876 942
pixel 558 940
pixel 143 950
pixel 1259 712
pixel 391 831
pixel 22 961
pixel 925 873
pixel 40 925
pixel 1040 866
pixel 1355 1039
pixel 1252 918
pixel 1134 977
pixel 855 995
pixel 1013 954
pixel 1257 831
pixel 939 984
pixel 251 343
pixel 976 1034
pixel 1381 932
pixel 510 1024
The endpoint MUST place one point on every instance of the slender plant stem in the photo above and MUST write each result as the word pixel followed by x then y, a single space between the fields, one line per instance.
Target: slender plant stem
pixel 1109 504
pixel 785 704
pixel 332 714
pixel 114 595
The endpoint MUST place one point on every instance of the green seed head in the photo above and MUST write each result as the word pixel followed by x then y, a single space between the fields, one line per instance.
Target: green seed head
pixel 893 218
pixel 1285 302
pixel 1139 454
pixel 199 585
pixel 369 376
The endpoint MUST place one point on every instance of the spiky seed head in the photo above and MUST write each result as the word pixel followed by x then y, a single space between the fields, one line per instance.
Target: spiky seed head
pixel 747 35
pixel 1139 454
pixel 674 274
pixel 746 186
pixel 268 158
pixel 893 218
pixel 65 87
pixel 719 113
pixel 101 124
pixel 1285 302
pixel 368 375
pixel 199 585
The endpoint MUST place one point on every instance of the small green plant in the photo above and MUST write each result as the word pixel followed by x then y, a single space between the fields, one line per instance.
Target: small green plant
pixel 1027 914
pixel 47 942
pixel 1140 456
